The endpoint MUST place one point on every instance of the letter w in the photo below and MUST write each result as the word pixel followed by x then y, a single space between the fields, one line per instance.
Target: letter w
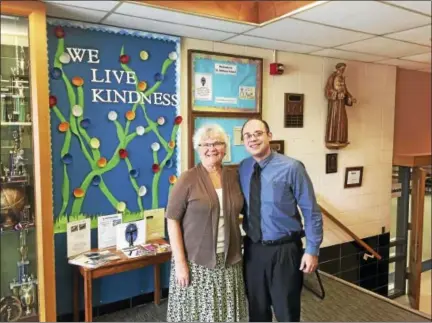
pixel 77 54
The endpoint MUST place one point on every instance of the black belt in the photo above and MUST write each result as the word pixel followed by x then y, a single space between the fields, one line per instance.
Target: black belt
pixel 293 237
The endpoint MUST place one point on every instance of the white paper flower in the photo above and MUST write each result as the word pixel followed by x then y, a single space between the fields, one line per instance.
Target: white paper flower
pixel 77 110
pixel 64 58
pixel 173 56
pixel 112 115
pixel 161 121
pixel 142 191
pixel 140 130
pixel 155 146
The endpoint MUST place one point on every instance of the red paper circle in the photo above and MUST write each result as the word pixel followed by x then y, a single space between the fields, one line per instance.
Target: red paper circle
pixel 123 153
pixel 52 101
pixel 178 120
pixel 124 59
pixel 155 168
pixel 59 32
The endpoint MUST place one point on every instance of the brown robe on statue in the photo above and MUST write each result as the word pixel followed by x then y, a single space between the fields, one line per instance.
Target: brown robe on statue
pixel 337 120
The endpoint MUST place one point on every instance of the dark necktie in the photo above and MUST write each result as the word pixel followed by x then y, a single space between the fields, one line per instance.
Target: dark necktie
pixel 254 225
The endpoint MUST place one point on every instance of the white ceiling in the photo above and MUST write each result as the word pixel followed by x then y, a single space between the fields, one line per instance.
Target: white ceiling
pixel 385 32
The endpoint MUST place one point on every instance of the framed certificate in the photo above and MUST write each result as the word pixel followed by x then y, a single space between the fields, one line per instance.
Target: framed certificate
pixel 353 177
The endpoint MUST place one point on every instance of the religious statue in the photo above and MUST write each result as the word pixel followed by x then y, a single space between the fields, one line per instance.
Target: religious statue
pixel 338 97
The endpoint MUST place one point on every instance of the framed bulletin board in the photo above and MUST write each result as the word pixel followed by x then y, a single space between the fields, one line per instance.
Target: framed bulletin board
pixel 225 83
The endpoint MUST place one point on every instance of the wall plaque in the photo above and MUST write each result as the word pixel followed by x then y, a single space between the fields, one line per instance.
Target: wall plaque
pixel 293 117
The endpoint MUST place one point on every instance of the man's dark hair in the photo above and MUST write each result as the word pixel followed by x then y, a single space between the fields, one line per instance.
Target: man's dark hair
pixel 266 126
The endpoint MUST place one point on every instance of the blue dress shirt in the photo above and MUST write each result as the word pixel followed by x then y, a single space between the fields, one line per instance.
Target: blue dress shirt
pixel 285 185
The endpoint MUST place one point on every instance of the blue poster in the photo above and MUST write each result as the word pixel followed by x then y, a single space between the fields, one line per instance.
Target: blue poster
pixel 223 83
pixel 115 104
pixel 114 100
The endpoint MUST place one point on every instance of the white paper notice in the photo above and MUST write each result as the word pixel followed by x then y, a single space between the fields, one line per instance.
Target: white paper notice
pixel 203 87
pixel 229 69
pixel 78 237
pixel 131 234
pixel 107 230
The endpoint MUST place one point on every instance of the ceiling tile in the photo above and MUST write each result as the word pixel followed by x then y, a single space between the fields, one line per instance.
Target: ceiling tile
pixel 143 11
pixel 165 28
pixel 60 11
pixel 404 64
pixel 422 58
pixel 420 35
pixel 420 6
pixel 97 5
pixel 385 47
pixel 303 32
pixel 271 44
pixel 343 54
pixel 367 16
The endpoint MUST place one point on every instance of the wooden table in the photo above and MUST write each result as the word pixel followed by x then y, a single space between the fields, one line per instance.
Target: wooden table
pixel 115 267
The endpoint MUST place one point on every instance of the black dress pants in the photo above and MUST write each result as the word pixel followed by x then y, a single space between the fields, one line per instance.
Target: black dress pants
pixel 273 278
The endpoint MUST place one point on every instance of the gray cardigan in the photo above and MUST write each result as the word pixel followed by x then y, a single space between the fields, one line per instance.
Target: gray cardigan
pixel 194 202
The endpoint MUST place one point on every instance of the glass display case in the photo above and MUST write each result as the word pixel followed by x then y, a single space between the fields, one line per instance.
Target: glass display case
pixel 19 283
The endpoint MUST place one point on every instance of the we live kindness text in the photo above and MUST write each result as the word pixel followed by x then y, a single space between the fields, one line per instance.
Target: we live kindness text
pixel 106 76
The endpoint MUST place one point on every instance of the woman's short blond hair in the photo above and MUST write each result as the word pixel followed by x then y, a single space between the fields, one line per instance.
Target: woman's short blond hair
pixel 209 131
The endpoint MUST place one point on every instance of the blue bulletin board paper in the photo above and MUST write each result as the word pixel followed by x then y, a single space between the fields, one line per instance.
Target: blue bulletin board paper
pixel 115 104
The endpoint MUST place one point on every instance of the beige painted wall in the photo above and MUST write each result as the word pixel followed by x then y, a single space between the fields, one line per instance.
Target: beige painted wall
pixel 364 210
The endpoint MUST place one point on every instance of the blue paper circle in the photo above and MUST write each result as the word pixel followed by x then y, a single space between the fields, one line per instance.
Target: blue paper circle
pixel 67 159
pixel 158 77
pixel 96 180
pixel 85 123
pixel 169 163
pixel 56 73
pixel 133 173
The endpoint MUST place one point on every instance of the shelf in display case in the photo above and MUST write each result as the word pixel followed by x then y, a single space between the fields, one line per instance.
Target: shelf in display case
pixel 23 124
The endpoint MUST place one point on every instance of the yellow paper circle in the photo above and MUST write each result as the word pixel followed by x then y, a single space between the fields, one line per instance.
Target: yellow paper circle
pixel 94 143
pixel 121 206
pixel 144 55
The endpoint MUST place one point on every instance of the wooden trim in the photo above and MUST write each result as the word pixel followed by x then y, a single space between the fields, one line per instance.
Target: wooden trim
pixel 412 160
pixel 350 233
pixel 36 13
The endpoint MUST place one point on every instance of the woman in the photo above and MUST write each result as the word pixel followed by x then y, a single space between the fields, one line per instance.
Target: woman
pixel 203 211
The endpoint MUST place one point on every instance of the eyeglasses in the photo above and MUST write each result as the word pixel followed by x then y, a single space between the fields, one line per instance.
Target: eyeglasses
pixel 217 144
pixel 256 135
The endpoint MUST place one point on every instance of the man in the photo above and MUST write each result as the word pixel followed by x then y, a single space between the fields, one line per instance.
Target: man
pixel 273 186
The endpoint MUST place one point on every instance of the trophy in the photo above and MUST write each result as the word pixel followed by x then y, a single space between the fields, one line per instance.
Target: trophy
pixel 23 263
pixel 28 296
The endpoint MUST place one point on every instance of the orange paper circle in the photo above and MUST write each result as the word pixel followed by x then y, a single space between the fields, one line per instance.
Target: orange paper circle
pixel 130 115
pixel 102 162
pixel 78 192
pixel 172 179
pixel 142 85
pixel 171 144
pixel 63 126
pixel 78 81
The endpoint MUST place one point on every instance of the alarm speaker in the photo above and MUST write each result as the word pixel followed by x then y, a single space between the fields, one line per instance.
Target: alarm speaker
pixel 276 69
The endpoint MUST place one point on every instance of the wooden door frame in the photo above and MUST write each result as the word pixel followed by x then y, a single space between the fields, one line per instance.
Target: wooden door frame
pixel 35 11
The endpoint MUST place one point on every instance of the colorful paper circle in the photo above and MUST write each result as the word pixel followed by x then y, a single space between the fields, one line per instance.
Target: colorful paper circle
pixel 158 77
pixel 144 55
pixel 123 153
pixel 142 191
pixel 155 146
pixel 142 85
pixel 94 143
pixel 102 162
pixel 171 144
pixel 178 120
pixel 59 31
pixel 63 126
pixel 172 179
pixel 173 56
pixel 124 59
pixel 85 123
pixel 155 168
pixel 121 206
pixel 96 180
pixel 52 101
pixel 112 115
pixel 56 73
pixel 67 159
pixel 134 173
pixel 78 81
pixel 130 115
pixel 78 192
pixel 77 110
pixel 161 121
pixel 169 163
pixel 64 58
pixel 140 130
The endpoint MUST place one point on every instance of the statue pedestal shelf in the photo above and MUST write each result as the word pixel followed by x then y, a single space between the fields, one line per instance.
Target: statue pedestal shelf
pixel 336 145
